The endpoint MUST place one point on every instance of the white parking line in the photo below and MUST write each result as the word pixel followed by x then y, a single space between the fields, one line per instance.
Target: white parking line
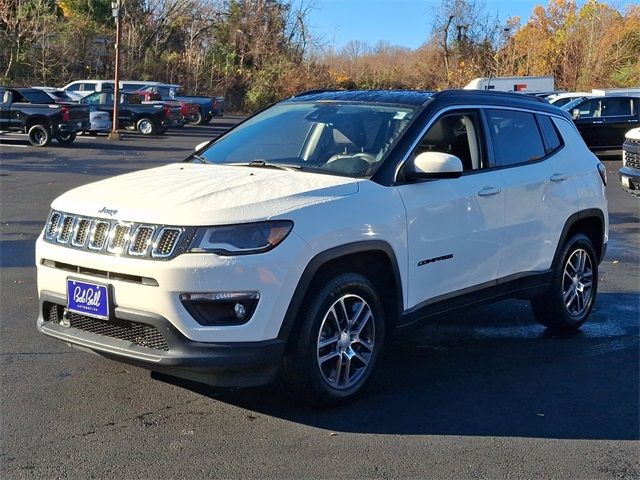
pixel 15 146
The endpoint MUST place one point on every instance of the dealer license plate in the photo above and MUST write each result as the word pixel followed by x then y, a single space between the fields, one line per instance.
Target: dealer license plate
pixel 86 298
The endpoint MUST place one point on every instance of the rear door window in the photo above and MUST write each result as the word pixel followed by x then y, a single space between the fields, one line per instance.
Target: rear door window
pixel 515 136
pixel 615 107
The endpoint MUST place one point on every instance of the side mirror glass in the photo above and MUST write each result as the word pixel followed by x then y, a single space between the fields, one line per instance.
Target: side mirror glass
pixel 434 165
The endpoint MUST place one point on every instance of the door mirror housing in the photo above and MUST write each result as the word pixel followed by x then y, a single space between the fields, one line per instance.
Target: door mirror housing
pixel 200 146
pixel 434 165
pixel 575 113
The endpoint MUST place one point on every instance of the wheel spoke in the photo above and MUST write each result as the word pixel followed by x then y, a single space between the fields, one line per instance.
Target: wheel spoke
pixel 566 295
pixel 328 341
pixel 338 369
pixel 347 369
pixel 574 294
pixel 345 315
pixel 354 320
pixel 363 323
pixel 362 358
pixel 328 356
pixel 365 343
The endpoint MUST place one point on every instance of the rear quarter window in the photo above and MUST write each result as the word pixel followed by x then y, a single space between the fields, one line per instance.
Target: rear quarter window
pixel 515 136
pixel 551 136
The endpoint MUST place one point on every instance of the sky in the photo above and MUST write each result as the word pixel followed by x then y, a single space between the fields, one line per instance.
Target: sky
pixel 400 22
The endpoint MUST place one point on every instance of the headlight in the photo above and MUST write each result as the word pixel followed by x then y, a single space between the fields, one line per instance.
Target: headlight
pixel 241 239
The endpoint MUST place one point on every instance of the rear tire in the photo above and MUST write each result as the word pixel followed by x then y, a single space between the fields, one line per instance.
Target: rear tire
pixel 198 118
pixel 145 126
pixel 573 289
pixel 39 135
pixel 337 341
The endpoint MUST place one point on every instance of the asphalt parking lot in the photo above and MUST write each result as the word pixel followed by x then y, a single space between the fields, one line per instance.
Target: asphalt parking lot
pixel 483 394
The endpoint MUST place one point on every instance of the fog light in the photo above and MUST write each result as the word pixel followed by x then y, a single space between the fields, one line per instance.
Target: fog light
pixel 220 308
pixel 241 312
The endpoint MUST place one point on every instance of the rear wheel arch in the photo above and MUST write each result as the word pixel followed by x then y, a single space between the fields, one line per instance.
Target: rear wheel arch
pixel 374 259
pixel 37 120
pixel 589 222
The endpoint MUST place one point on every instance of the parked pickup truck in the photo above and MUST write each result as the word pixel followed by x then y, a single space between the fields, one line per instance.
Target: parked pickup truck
pixel 209 107
pixel 133 114
pixel 32 111
pixel 630 171
pixel 188 110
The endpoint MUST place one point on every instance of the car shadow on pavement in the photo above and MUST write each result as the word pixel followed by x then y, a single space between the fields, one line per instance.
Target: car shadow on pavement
pixel 491 371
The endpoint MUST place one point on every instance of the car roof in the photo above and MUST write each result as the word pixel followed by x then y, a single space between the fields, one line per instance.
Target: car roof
pixel 403 97
pixel 422 97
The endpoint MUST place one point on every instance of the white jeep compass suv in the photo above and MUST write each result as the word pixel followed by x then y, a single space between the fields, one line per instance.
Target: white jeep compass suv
pixel 296 242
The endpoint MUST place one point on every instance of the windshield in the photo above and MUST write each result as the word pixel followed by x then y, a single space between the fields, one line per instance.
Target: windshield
pixel 335 138
pixel 573 103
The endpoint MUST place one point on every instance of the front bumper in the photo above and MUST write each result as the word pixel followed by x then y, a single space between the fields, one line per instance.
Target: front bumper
pixel 221 364
pixel 155 286
pixel 629 178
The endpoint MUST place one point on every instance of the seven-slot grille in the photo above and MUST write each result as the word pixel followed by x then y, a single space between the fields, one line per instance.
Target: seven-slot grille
pixel 113 237
pixel 632 159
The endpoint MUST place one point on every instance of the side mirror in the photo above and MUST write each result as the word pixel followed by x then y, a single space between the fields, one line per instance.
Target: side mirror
pixel 575 113
pixel 200 146
pixel 434 165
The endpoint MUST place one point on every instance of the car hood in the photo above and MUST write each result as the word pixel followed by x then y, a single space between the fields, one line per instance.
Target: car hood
pixel 633 134
pixel 196 194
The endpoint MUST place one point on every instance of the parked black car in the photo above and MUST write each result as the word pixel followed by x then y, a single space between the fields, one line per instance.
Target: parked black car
pixel 604 121
pixel 133 114
pixel 32 111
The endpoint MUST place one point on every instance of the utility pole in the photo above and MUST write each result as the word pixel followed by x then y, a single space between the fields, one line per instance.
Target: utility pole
pixel 114 134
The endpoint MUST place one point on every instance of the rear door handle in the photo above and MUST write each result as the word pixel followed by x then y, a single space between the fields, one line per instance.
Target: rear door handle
pixel 487 191
pixel 558 177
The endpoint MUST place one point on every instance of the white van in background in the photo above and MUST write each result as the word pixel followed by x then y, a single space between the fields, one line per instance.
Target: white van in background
pixel 513 84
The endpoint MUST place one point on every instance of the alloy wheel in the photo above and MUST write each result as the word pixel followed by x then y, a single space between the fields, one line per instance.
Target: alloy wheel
pixel 577 282
pixel 346 342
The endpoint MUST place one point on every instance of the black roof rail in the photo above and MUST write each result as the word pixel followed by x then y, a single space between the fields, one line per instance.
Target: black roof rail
pixel 520 95
pixel 318 90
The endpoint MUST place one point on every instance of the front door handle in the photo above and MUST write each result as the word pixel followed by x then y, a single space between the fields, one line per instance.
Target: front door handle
pixel 558 177
pixel 487 191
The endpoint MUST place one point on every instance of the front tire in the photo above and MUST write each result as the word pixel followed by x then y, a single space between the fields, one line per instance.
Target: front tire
pixel 573 289
pixel 337 341
pixel 39 135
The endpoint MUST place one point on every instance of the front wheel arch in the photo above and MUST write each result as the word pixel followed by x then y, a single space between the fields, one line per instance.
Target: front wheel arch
pixel 374 259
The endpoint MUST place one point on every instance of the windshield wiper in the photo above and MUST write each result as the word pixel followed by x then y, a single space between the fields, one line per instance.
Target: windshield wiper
pixel 200 158
pixel 263 164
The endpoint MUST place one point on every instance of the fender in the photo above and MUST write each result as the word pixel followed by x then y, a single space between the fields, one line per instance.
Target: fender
pixel 322 259
pixel 571 221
